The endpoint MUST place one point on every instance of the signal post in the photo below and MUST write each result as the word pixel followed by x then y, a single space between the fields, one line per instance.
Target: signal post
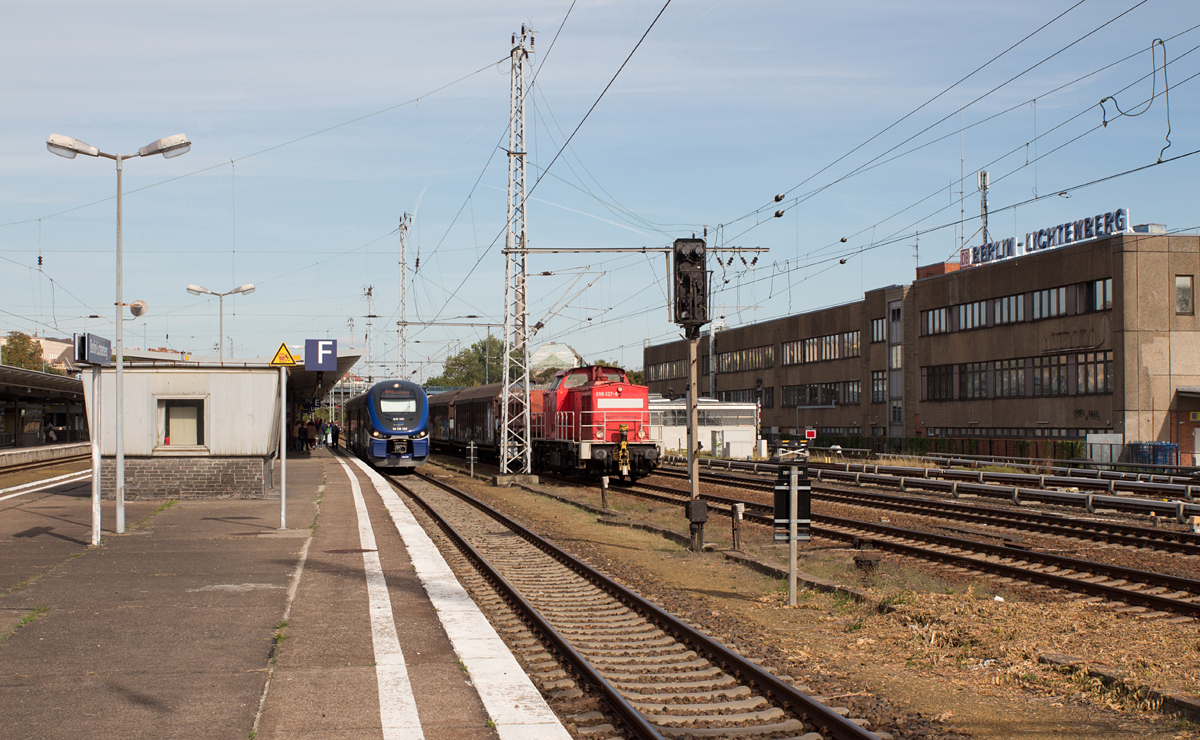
pixel 691 312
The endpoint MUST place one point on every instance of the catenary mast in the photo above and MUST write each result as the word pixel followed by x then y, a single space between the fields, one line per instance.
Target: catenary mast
pixel 515 446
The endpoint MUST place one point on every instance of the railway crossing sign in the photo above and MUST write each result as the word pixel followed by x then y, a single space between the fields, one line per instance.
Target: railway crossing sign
pixel 283 358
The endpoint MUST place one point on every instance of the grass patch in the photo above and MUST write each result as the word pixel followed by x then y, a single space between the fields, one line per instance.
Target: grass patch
pixel 27 619
pixel 160 509
pixel 277 640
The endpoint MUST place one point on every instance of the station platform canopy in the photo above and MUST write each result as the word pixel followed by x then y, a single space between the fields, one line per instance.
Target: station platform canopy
pixel 302 384
pixel 17 383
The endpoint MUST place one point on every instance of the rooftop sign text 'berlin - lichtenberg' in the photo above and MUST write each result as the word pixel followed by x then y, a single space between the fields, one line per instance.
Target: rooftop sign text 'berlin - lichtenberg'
pixel 1092 227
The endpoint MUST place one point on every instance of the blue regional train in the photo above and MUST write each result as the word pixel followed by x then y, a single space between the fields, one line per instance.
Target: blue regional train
pixel 388 425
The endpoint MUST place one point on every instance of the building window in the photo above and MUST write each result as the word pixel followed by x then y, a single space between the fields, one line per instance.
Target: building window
pixel 897 412
pixel 768 398
pixel 939 383
pixel 935 321
pixel 972 380
pixel 754 358
pixel 1095 295
pixel 896 356
pixel 1094 373
pixel 878 330
pixel 1048 303
pixel 820 349
pixel 851 391
pixel 1183 294
pixel 1009 310
pixel 895 314
pixel 1010 378
pixel 181 422
pixel 814 394
pixel 1050 375
pixel 667 370
pixel 972 315
pixel 878 386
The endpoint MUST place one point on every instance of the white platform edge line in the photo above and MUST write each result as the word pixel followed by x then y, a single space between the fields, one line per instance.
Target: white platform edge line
pixel 397 705
pixel 511 700
pixel 44 484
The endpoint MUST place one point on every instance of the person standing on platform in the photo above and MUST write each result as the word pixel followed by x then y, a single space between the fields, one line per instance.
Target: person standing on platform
pixel 310 436
pixel 334 431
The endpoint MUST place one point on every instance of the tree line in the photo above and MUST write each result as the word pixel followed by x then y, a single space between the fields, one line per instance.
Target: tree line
pixel 483 362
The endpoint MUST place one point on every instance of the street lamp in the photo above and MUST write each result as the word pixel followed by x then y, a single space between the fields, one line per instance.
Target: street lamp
pixel 246 289
pixel 171 146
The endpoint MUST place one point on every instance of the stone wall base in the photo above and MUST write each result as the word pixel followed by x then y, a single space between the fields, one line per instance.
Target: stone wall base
pixel 188 477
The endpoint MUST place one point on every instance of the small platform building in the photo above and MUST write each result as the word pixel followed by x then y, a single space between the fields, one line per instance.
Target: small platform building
pixel 726 428
pixel 200 428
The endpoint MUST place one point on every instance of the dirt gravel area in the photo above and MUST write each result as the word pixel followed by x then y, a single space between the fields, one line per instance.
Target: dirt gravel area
pixel 933 652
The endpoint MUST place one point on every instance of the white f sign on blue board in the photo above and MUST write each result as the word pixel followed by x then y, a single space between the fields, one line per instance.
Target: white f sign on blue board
pixel 320 354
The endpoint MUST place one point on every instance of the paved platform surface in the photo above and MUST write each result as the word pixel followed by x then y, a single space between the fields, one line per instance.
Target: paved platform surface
pixel 21 455
pixel 204 620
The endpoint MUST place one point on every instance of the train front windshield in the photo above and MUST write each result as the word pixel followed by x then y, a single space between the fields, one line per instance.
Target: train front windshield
pixel 399 407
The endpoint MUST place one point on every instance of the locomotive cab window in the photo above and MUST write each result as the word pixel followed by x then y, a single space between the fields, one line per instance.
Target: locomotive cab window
pixel 574 380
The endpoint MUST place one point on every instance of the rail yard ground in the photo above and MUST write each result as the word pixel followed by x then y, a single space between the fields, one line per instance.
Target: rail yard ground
pixel 933 643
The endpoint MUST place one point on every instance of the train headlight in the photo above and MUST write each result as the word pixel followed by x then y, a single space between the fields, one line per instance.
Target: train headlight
pixel 599 433
pixel 421 434
pixel 375 434
pixel 642 433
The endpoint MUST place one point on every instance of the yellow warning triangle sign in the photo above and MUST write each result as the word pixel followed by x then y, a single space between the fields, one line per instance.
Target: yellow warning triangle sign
pixel 283 357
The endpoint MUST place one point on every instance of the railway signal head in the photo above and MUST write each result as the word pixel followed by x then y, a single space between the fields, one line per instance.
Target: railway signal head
pixel 691 284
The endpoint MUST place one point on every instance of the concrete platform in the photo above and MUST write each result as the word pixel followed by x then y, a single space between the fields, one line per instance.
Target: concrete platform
pixel 205 620
pixel 22 455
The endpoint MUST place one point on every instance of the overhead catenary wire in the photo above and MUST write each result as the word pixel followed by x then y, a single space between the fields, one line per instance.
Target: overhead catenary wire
pixel 271 148
pixel 951 114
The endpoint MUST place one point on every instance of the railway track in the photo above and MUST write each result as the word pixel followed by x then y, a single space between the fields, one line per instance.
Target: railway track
pixel 1114 533
pixel 1160 497
pixel 5 470
pixel 1127 589
pixel 660 677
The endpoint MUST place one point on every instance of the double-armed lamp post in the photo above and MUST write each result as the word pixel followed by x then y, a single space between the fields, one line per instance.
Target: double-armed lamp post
pixel 246 289
pixel 171 146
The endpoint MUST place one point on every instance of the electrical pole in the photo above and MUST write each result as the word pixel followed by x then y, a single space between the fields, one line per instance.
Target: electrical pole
pixel 369 292
pixel 402 329
pixel 515 446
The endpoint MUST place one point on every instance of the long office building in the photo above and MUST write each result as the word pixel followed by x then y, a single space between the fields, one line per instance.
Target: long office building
pixel 1084 328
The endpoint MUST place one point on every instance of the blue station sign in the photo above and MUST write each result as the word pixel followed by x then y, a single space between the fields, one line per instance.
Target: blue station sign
pixel 91 349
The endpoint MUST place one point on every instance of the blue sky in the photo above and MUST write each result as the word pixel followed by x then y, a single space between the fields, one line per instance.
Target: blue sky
pixel 723 106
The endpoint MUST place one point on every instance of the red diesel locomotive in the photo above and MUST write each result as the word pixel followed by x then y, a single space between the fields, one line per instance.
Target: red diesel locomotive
pixel 591 420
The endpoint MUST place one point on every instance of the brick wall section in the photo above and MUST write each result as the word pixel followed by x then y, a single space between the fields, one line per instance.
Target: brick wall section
pixel 187 477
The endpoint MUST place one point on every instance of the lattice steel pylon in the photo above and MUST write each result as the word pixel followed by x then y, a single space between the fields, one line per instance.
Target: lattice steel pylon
pixel 402 326
pixel 515 444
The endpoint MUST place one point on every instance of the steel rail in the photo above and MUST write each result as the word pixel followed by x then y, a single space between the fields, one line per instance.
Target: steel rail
pixel 824 526
pixel 6 469
pixel 633 719
pixel 1046 523
pixel 973 483
pixel 799 703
